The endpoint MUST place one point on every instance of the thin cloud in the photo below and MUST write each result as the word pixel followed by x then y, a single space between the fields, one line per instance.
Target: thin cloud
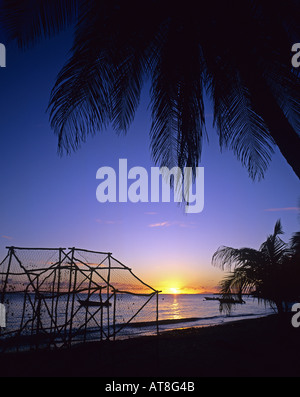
pixel 160 224
pixel 294 209
pixel 174 223
pixel 7 237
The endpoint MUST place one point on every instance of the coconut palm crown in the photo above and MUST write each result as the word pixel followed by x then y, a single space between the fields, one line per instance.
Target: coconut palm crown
pixel 270 274
pixel 237 53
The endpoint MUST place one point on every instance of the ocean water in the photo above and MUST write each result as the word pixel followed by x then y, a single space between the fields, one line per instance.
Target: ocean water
pixel 205 312
pixel 133 315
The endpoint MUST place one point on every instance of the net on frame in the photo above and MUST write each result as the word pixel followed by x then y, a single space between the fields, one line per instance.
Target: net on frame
pixel 57 297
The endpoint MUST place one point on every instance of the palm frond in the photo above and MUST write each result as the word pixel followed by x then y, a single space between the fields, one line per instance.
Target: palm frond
pixel 241 281
pixel 242 130
pixel 228 257
pixel 126 93
pixel 278 229
pixel 80 101
pixel 284 84
pixel 274 248
pixel 295 242
pixel 177 102
pixel 29 21
pixel 182 52
pixel 272 272
pixel 107 71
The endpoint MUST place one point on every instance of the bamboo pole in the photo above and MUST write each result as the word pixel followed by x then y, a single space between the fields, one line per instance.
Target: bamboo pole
pixel 114 319
pixel 101 316
pixel 94 269
pixel 23 315
pixel 50 280
pixel 141 308
pixel 7 255
pixel 11 252
pixel 68 298
pixel 135 293
pixel 24 308
pixel 93 252
pixel 73 266
pixel 120 263
pixel 38 320
pixel 35 312
pixel 130 270
pixel 86 313
pixel 157 320
pixel 3 274
pixel 58 270
pixel 53 301
pixel 108 285
pixel 34 249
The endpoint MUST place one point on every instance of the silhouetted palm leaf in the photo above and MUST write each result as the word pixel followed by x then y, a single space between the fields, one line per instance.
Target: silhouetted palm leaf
pixel 80 101
pixel 269 272
pixel 295 243
pixel 241 59
pixel 244 131
pixel 29 21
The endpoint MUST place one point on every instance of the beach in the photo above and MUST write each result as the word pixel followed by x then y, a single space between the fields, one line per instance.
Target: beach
pixel 262 347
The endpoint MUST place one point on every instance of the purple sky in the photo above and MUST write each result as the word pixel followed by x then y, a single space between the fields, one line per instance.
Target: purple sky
pixel 50 201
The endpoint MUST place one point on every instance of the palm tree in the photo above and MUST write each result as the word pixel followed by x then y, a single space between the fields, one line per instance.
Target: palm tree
pixel 236 52
pixel 271 274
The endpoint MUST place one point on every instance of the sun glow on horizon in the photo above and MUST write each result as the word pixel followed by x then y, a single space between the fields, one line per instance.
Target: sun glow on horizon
pixel 187 290
pixel 182 284
pixel 174 290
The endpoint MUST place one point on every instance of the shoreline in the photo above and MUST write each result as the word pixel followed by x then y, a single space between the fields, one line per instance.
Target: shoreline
pixel 262 346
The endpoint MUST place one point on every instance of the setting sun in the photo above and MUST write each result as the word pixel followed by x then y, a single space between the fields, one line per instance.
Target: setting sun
pixel 174 291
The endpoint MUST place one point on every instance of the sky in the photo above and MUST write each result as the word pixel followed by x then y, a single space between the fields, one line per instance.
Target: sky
pixel 49 200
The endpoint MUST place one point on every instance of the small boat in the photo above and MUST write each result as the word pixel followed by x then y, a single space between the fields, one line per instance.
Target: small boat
pixel 88 303
pixel 207 298
pixel 226 300
pixel 231 300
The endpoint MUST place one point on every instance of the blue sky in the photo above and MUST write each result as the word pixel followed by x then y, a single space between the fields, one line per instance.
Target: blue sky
pixel 50 201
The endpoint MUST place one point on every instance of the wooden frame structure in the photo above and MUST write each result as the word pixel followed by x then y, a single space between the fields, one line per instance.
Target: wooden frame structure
pixel 60 296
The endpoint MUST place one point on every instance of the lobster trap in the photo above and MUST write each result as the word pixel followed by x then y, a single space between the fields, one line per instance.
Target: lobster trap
pixel 56 297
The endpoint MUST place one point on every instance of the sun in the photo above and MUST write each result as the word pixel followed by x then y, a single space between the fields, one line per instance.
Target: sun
pixel 174 291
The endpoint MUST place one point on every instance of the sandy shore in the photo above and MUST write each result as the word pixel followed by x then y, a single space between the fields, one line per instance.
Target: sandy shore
pixel 258 347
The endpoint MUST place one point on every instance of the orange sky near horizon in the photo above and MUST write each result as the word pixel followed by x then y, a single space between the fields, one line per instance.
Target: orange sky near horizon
pixel 182 279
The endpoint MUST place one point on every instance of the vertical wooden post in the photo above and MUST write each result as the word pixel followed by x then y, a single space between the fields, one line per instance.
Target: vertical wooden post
pixel 114 319
pixel 108 283
pixel 58 270
pixel 73 266
pixel 24 309
pixel 38 318
pixel 86 309
pixel 36 315
pixel 68 299
pixel 52 324
pixel 11 253
pixel 157 326
pixel 101 315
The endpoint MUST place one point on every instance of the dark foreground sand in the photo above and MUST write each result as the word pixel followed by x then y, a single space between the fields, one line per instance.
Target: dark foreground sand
pixel 258 347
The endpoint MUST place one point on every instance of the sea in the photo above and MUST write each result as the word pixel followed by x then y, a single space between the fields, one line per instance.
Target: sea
pixel 206 312
pixel 136 316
